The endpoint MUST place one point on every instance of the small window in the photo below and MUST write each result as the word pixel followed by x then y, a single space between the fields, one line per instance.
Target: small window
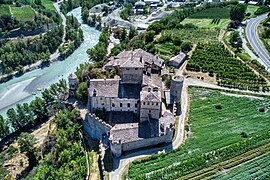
pixel 143 103
pixel 102 104
pixel 136 68
pixel 148 104
pixel 128 105
pixel 127 68
pixel 135 105
pixel 152 104
pixel 155 89
pixel 149 89
pixel 157 104
pixel 113 105
pixel 149 111
pixel 101 98
pixel 121 104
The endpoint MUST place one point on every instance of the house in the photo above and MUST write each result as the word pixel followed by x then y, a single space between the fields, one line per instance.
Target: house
pixel 177 60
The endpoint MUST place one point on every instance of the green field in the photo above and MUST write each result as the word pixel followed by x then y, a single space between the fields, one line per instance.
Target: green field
pixel 48 4
pixel 212 128
pixel 206 23
pixel 251 9
pixel 4 9
pixel 258 168
pixel 23 13
pixel 211 13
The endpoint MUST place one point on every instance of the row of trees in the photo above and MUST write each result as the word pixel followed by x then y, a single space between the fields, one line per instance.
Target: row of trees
pixel 74 37
pixel 26 116
pixel 215 59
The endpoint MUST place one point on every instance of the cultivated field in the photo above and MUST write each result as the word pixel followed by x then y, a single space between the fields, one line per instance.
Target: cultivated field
pixel 23 13
pixel 217 120
pixel 210 18
pixel 207 23
pixel 212 13
pixel 258 168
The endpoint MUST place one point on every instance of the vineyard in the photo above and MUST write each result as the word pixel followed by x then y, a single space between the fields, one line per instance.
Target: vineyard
pixel 222 127
pixel 167 47
pixel 258 168
pixel 215 59
pixel 212 13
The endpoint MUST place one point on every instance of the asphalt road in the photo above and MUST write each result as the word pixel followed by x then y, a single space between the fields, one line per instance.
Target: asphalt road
pixel 254 40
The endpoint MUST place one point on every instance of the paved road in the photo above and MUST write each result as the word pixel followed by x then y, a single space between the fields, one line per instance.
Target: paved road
pixel 254 40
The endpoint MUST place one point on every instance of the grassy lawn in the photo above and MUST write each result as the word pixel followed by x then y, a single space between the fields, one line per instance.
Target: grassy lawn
pixel 211 128
pixel 251 9
pixel 258 168
pixel 219 13
pixel 4 9
pixel 24 13
pixel 206 23
pixel 48 4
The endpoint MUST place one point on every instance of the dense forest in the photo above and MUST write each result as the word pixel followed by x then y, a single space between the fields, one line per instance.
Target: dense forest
pixel 15 55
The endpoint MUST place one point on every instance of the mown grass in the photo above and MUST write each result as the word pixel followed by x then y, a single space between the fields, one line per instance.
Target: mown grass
pixel 211 128
pixel 4 10
pixel 48 4
pixel 258 168
pixel 252 9
pixel 23 13
pixel 211 13
pixel 206 23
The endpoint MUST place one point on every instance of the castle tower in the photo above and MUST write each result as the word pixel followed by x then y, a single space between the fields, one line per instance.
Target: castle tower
pixel 73 84
pixel 131 71
pixel 176 87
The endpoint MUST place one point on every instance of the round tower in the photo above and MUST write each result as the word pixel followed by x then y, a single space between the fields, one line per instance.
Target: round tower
pixel 176 87
pixel 73 84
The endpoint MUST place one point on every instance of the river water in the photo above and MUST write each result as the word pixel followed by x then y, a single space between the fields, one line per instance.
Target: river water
pixel 20 89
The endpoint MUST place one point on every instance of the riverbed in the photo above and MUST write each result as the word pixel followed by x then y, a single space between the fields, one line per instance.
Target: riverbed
pixel 21 89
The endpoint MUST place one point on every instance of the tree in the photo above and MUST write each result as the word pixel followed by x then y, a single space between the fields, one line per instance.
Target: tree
pixel 149 36
pixel 13 119
pixel 238 12
pixel 186 46
pixel 156 27
pixel 81 92
pixel 27 144
pixel 235 39
pixel 4 130
pixel 132 32
pixel 168 81
pixel 39 109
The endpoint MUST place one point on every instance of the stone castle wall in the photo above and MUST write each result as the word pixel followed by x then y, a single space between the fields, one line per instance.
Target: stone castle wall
pixel 95 127
pixel 117 148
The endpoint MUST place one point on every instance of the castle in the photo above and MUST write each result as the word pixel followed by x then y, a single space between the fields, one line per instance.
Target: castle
pixel 128 112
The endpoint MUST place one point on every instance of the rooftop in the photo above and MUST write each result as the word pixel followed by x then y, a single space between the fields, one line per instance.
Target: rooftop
pixel 134 131
pixel 179 58
pixel 151 96
pixel 104 87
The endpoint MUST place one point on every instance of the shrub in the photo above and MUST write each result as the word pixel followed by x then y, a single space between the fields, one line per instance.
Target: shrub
pixel 218 107
pixel 261 109
pixel 243 135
